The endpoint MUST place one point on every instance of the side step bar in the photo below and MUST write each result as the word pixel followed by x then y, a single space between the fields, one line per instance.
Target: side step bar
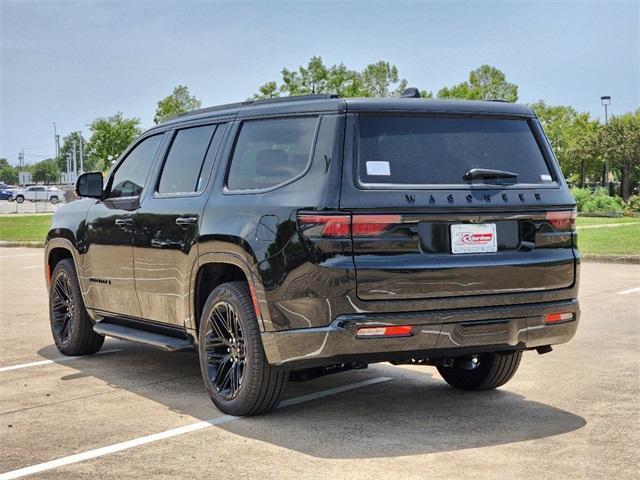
pixel 152 339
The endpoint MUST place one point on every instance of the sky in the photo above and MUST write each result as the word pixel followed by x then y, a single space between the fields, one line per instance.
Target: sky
pixel 70 62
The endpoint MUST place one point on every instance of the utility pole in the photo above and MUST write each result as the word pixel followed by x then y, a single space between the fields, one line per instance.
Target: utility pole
pixel 606 101
pixel 56 139
pixel 21 164
pixel 81 156
pixel 75 159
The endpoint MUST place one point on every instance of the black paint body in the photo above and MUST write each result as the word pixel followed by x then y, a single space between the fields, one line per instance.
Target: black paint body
pixel 313 295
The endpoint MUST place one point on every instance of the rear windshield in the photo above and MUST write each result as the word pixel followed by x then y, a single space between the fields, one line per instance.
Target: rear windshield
pixel 412 150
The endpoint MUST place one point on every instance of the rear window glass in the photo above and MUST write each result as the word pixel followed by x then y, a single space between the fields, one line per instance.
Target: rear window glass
pixel 271 152
pixel 411 150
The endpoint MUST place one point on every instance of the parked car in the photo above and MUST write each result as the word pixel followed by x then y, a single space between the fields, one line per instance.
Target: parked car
pixel 6 193
pixel 290 238
pixel 38 193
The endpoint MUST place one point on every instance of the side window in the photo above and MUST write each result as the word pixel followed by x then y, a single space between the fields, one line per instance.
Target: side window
pixel 270 152
pixel 188 163
pixel 129 179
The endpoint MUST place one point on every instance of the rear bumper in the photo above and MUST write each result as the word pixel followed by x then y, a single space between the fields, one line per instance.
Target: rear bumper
pixel 434 334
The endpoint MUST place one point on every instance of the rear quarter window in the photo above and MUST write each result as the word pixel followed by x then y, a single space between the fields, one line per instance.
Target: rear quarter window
pixel 271 152
pixel 430 150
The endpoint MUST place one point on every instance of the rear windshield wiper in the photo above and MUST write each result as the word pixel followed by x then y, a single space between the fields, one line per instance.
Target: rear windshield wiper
pixel 488 173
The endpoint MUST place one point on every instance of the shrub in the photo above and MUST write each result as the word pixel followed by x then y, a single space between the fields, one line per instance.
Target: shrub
pixel 581 196
pixel 601 202
pixel 633 205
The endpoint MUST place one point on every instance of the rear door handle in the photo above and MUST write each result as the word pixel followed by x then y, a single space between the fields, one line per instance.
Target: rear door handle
pixel 184 221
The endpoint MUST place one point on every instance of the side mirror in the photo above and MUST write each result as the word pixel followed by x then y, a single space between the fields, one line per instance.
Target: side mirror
pixel 90 185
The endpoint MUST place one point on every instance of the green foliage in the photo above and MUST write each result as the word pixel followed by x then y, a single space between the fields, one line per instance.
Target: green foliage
pixel 633 204
pixel 66 151
pixel 109 138
pixel 574 139
pixel 45 171
pixel 8 173
pixel 620 142
pixel 484 83
pixel 180 101
pixel 597 201
pixel 379 79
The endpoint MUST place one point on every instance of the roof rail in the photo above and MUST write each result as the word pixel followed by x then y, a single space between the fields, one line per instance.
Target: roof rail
pixel 246 103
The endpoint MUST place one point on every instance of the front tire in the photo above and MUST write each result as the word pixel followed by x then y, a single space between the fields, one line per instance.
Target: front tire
pixel 485 371
pixel 19 199
pixel 70 324
pixel 235 370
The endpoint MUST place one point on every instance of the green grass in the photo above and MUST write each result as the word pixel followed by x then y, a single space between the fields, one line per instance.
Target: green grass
pixel 24 228
pixel 582 221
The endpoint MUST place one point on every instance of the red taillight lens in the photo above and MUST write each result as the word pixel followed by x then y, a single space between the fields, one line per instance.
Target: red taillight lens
pixel 372 225
pixel 395 331
pixel 563 221
pixel 558 317
pixel 343 226
pixel 335 226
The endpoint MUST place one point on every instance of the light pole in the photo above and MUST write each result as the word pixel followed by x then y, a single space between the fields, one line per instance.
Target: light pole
pixel 606 101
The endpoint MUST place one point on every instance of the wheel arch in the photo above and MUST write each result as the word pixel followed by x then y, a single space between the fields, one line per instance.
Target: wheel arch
pixel 215 268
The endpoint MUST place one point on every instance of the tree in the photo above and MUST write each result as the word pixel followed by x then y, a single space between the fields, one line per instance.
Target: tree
pixel 8 173
pixel 66 151
pixel 180 101
pixel 45 171
pixel 574 139
pixel 484 83
pixel 109 138
pixel 382 80
pixel 379 79
pixel 620 139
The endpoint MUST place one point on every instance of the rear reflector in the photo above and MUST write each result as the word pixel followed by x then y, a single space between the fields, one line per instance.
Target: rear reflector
pixel 395 331
pixel 563 221
pixel 558 317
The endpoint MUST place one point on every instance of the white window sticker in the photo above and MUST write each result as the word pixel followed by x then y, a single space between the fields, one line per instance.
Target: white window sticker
pixel 378 168
pixel 545 178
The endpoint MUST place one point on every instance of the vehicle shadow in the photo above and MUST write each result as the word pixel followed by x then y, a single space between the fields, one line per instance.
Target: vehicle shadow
pixel 413 413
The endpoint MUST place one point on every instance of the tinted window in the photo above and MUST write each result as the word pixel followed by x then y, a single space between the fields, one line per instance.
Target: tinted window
pixel 440 150
pixel 181 171
pixel 270 152
pixel 130 177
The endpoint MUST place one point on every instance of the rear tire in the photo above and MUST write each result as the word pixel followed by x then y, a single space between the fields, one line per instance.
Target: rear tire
pixel 235 370
pixel 492 370
pixel 54 200
pixel 71 326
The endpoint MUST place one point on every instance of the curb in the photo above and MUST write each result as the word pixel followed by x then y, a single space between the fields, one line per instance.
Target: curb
pixel 4 243
pixel 596 257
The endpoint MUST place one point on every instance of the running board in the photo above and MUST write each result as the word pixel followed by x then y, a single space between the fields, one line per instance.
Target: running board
pixel 152 339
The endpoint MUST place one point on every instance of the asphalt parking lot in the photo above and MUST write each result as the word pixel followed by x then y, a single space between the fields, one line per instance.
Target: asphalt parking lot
pixel 133 412
pixel 27 207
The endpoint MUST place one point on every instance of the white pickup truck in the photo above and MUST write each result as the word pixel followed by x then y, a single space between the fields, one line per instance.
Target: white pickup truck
pixel 38 193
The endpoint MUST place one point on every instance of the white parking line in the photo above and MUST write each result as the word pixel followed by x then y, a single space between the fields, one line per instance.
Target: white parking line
pixel 174 432
pixel 34 266
pixel 631 290
pixel 54 360
pixel 22 255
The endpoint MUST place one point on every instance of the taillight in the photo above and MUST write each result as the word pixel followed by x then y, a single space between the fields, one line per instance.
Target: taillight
pixel 332 226
pixel 558 317
pixel 393 331
pixel 562 221
pixel 343 226
pixel 372 225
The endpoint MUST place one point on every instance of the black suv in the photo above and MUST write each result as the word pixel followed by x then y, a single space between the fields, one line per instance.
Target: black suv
pixel 290 238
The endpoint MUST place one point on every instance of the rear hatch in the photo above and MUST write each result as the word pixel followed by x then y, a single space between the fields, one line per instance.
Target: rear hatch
pixel 453 205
